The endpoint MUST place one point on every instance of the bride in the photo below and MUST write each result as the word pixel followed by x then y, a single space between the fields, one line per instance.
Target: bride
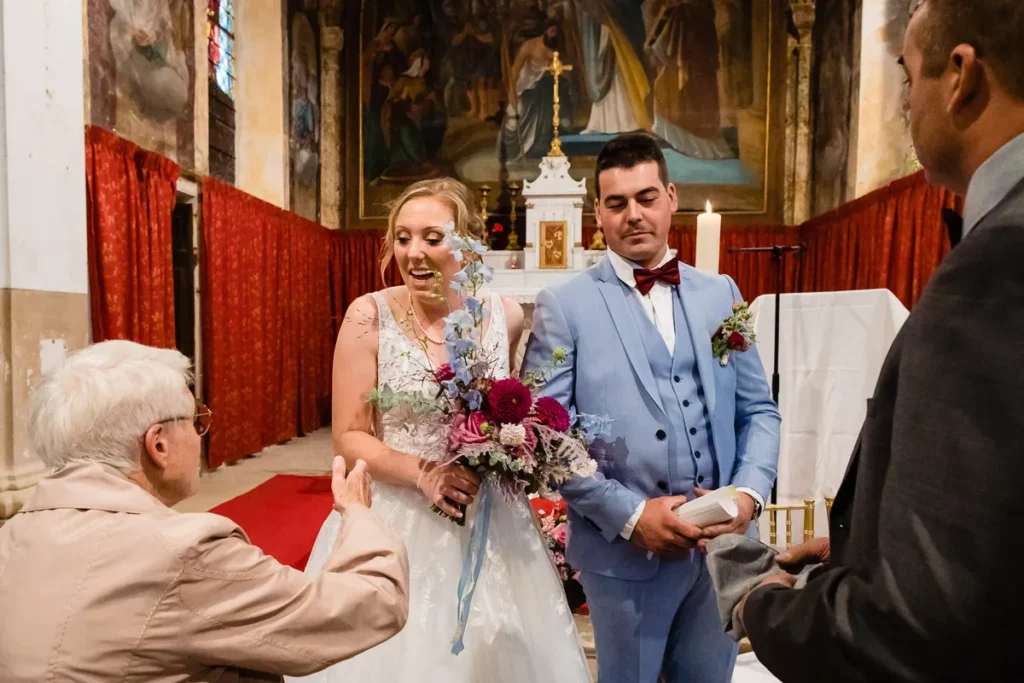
pixel 520 629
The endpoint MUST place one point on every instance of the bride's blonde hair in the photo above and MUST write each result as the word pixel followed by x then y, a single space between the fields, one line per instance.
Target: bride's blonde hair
pixel 452 193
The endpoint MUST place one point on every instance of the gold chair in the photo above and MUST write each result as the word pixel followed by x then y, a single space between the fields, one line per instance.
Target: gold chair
pixel 773 521
pixel 808 522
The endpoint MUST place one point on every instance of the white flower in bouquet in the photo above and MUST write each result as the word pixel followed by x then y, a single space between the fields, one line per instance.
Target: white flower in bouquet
pixel 512 435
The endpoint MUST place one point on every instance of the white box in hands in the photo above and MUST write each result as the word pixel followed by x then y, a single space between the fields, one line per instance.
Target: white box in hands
pixel 717 507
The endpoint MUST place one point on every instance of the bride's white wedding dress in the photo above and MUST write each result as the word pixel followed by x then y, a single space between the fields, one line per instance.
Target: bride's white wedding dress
pixel 520 629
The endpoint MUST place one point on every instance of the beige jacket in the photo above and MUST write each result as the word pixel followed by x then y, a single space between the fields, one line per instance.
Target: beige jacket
pixel 99 581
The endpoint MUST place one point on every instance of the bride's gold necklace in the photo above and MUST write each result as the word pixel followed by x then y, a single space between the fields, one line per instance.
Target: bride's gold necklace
pixel 419 324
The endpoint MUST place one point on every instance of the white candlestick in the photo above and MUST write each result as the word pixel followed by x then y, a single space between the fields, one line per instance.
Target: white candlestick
pixel 709 238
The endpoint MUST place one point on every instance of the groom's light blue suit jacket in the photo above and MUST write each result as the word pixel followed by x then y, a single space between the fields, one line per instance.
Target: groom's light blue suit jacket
pixel 659 403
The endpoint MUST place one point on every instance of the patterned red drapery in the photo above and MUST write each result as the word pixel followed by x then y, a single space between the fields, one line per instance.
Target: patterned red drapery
pixel 891 238
pixel 267 334
pixel 130 196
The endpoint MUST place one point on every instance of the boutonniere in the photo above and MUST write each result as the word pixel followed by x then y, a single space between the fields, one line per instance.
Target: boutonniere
pixel 736 333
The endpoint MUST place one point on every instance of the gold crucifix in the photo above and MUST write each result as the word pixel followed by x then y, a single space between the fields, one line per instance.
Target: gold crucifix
pixel 556 69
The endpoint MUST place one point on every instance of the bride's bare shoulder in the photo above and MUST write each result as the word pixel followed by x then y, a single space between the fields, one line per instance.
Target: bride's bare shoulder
pixel 365 309
pixel 514 315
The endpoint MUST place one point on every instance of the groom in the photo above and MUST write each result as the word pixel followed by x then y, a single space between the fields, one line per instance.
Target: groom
pixel 637 329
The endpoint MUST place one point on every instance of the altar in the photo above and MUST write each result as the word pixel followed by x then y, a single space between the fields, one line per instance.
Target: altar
pixel 554 251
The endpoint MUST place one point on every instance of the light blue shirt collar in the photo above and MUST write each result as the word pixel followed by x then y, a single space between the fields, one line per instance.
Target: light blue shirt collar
pixel 624 268
pixel 993 180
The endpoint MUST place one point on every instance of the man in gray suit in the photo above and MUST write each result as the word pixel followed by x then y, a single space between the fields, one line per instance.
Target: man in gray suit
pixel 922 581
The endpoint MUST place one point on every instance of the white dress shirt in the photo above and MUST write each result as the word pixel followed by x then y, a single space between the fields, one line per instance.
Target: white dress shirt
pixel 658 306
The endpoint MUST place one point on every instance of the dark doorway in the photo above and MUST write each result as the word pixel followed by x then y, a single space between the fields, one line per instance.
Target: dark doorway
pixel 184 280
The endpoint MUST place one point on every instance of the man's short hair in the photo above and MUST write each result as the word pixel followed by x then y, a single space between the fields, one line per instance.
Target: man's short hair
pixel 627 151
pixel 994 28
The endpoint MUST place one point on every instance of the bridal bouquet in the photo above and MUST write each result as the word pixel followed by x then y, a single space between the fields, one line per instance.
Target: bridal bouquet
pixel 516 442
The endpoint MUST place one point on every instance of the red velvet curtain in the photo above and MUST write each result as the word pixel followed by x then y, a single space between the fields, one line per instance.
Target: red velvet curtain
pixel 249 375
pixel 267 330
pixel 130 196
pixel 891 238
pixel 311 307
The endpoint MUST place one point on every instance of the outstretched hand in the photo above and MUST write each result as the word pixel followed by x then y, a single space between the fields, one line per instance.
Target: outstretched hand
pixel 350 490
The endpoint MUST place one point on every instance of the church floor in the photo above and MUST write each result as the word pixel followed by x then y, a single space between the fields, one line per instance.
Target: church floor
pixel 309 455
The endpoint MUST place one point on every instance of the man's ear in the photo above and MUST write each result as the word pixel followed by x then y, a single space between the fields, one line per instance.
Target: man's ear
pixel 155 447
pixel 672 198
pixel 968 74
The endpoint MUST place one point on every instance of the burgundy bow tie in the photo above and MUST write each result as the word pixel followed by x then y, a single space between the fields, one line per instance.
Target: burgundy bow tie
pixel 645 279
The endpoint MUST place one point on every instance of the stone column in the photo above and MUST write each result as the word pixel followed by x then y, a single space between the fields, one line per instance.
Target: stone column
pixel 803 17
pixel 44 301
pixel 792 59
pixel 331 174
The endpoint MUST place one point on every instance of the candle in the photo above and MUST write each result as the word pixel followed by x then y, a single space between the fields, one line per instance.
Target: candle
pixel 709 238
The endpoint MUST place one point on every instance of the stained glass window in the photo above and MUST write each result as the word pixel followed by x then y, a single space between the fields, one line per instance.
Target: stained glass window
pixel 220 29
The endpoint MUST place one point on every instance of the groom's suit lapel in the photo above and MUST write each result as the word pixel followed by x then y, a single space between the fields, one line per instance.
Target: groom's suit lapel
pixel 614 294
pixel 697 329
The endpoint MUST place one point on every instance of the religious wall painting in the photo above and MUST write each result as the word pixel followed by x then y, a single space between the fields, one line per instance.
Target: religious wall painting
pixel 304 108
pixel 464 88
pixel 142 73
pixel 554 244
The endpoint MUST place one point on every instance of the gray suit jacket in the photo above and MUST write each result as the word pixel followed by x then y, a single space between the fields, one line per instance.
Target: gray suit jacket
pixel 925 582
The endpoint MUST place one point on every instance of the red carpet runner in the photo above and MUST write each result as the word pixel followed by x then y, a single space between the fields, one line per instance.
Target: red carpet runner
pixel 282 516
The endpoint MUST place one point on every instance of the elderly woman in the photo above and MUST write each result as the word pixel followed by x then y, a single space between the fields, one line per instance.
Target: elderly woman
pixel 100 580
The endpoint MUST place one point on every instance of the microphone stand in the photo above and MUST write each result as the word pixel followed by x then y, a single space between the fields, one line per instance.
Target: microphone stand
pixel 778 253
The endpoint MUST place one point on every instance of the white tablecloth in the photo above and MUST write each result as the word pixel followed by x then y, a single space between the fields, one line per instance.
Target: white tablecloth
pixel 831 348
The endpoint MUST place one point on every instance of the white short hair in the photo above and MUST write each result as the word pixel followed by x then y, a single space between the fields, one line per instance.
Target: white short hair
pixel 99 404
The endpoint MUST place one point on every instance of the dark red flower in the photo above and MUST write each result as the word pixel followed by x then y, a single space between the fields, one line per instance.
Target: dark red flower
pixel 444 374
pixel 737 341
pixel 509 401
pixel 551 413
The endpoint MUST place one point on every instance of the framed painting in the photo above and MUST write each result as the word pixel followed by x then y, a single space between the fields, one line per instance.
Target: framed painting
pixel 459 88
pixel 554 244
pixel 142 73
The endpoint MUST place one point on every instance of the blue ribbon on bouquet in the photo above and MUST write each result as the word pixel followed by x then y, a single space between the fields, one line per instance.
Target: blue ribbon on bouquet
pixel 471 566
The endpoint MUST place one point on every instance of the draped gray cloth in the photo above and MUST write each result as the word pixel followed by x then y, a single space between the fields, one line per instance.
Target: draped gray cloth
pixel 737 564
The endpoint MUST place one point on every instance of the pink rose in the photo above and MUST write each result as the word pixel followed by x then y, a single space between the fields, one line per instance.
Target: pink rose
pixel 560 533
pixel 466 430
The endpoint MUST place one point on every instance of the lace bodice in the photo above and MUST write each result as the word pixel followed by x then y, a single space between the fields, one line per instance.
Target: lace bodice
pixel 404 366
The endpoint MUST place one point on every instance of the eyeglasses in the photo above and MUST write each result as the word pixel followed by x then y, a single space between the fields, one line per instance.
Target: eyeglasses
pixel 201 420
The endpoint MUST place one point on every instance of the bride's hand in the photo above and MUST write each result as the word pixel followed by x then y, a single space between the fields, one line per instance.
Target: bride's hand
pixel 444 483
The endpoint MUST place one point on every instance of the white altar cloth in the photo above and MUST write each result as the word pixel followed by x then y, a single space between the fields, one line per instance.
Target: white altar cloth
pixel 832 345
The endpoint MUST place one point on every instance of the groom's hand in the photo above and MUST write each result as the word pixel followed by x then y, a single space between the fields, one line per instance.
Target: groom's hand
pixel 738 525
pixel 660 531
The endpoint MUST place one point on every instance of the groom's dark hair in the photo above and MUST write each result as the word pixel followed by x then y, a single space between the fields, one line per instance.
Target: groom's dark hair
pixel 627 151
